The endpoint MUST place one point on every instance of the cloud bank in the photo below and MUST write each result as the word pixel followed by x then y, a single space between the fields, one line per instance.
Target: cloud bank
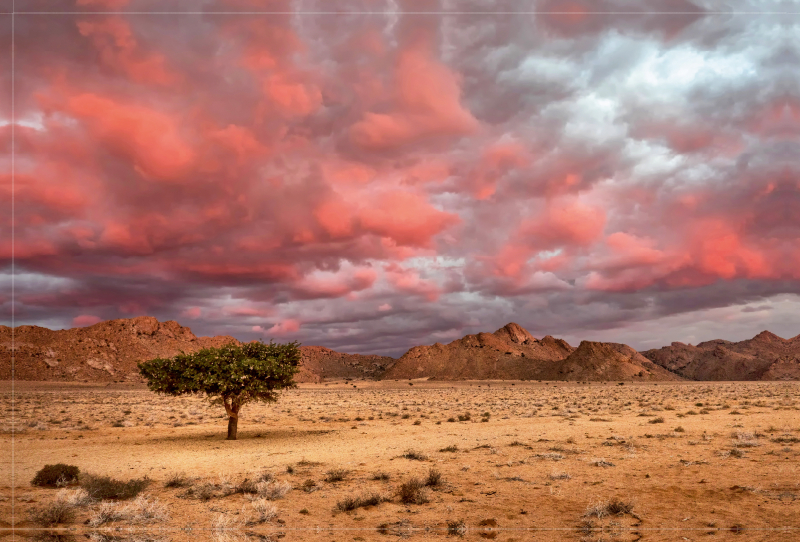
pixel 370 176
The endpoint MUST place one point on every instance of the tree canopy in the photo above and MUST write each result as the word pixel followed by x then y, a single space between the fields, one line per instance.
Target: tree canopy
pixel 231 375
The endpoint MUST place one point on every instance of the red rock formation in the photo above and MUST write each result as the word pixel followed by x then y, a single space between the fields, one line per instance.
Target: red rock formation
pixel 108 351
pixel 764 357
pixel 104 352
pixel 510 353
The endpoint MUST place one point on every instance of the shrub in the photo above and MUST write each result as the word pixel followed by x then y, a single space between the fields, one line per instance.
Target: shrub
pixel 464 417
pixel 451 448
pixel 178 479
pixel 107 513
pixel 367 499
pixel 309 486
pixel 144 510
pixel 273 491
pixel 58 511
pixel 382 476
pixel 615 507
pixel 415 455
pixel 456 528
pixel 336 475
pixel 77 498
pixel 413 492
pixel 657 420
pixel 434 478
pixel 265 511
pixel 57 475
pixel 105 487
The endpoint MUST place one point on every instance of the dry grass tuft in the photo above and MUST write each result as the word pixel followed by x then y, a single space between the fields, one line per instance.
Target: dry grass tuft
pixel 413 492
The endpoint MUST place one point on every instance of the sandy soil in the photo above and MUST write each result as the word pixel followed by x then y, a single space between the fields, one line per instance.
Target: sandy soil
pixel 690 459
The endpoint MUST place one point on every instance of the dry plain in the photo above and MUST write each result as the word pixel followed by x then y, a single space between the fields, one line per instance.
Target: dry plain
pixel 515 460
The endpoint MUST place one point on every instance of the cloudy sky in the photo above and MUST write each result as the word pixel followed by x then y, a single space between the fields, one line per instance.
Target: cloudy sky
pixel 372 175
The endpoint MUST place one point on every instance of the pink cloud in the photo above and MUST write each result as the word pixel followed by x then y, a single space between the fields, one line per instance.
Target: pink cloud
pixel 418 111
pixel 385 307
pixel 85 320
pixel 286 327
pixel 406 218
pixel 192 312
pixel 148 138
pixel 410 281
pixel 565 221
pixel 119 50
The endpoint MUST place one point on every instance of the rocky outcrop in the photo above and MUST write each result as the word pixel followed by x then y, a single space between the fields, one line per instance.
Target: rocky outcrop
pixel 764 357
pixel 599 361
pixel 510 353
pixel 106 351
pixel 326 364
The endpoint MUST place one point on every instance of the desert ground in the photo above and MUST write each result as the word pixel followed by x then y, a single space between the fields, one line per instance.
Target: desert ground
pixel 515 461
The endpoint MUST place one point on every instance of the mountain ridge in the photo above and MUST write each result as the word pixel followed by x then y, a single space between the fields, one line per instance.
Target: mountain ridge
pixel 108 351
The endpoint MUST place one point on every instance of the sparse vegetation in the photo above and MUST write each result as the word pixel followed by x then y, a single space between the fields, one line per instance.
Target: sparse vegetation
pixel 53 513
pixel 413 491
pixel 614 507
pixel 434 478
pixel 415 455
pixel 57 475
pixel 336 475
pixel 177 479
pixel 361 501
pixel 105 487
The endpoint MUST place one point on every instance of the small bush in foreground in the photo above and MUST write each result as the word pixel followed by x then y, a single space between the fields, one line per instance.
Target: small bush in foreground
pixel 106 513
pixel 367 499
pixel 265 511
pixel 105 487
pixel 381 476
pixel 178 479
pixel 336 475
pixel 415 455
pixel 145 510
pixel 57 475
pixel 615 507
pixel 451 448
pixel 456 528
pixel 56 512
pixel 413 492
pixel 434 478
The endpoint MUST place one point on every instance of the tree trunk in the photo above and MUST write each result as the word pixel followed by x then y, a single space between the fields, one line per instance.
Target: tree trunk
pixel 232 423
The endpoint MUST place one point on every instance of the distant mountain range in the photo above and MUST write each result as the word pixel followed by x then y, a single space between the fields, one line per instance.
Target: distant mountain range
pixel 108 351
pixel 764 357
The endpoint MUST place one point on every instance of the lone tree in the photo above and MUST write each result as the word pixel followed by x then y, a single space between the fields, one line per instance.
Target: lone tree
pixel 230 375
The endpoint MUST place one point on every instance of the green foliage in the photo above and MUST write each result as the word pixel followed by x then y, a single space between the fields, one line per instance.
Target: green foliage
pixel 56 475
pixel 231 375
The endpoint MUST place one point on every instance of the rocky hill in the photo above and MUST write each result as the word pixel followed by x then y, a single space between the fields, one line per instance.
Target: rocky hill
pixel 764 357
pixel 509 353
pixel 598 361
pixel 108 351
pixel 512 353
pixel 326 364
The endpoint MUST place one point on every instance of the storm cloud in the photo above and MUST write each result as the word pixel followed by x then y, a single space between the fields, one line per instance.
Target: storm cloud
pixel 369 176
